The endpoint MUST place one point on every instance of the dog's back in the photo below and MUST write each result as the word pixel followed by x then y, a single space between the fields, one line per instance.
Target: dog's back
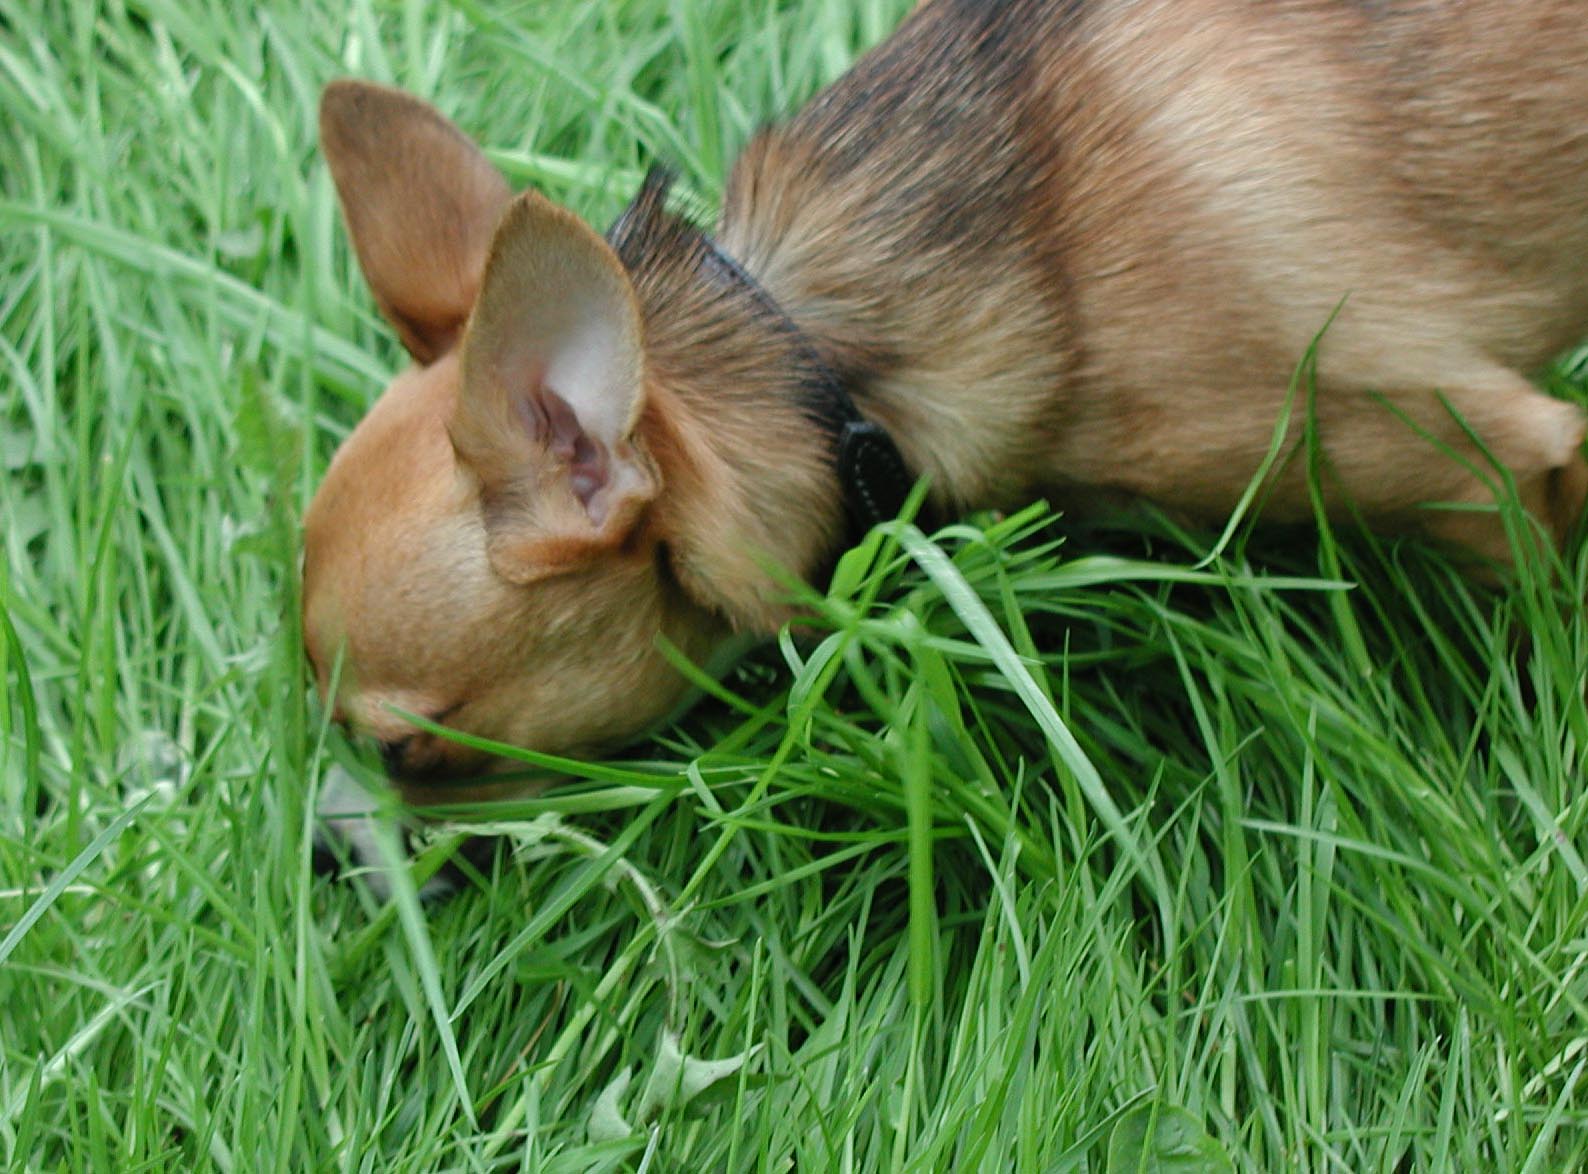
pixel 1113 228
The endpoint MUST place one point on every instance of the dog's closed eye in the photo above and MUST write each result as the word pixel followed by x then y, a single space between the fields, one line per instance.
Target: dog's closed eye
pixel 416 756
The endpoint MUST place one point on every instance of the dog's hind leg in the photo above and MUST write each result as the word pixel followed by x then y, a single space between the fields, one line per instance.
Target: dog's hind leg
pixel 1499 433
pixel 1401 455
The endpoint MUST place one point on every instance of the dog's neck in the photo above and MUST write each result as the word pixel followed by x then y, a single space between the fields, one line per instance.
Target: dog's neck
pixel 940 306
pixel 742 417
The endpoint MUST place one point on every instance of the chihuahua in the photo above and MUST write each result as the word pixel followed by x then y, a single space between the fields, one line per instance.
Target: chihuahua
pixel 1071 248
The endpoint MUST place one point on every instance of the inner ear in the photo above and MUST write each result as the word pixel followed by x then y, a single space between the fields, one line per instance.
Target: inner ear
pixel 586 459
pixel 551 366
pixel 421 204
pixel 552 376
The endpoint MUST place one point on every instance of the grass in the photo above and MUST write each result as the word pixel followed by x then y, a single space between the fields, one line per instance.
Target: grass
pixel 1034 856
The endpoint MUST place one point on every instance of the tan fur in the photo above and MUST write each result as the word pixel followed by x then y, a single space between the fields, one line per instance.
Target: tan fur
pixel 1070 249
pixel 423 246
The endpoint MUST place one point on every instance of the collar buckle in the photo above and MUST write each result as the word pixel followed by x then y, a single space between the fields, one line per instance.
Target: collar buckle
pixel 872 474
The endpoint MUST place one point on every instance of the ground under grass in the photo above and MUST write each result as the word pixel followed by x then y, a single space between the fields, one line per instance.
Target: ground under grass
pixel 1030 852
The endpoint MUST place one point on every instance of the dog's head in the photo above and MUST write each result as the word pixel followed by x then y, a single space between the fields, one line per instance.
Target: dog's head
pixel 482 551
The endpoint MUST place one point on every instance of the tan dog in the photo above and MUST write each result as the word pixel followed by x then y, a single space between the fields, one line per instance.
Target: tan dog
pixel 1052 247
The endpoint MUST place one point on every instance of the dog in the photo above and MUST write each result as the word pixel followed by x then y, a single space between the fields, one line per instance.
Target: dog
pixel 1067 248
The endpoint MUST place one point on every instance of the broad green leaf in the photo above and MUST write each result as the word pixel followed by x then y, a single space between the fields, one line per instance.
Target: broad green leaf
pixel 1164 1139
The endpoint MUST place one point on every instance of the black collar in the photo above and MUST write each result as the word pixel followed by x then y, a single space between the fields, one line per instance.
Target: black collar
pixel 871 471
pixel 872 476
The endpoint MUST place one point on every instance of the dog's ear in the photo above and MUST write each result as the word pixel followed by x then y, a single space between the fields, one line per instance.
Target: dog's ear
pixel 552 390
pixel 421 204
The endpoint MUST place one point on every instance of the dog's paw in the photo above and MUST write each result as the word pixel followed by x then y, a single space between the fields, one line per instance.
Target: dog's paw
pixel 347 840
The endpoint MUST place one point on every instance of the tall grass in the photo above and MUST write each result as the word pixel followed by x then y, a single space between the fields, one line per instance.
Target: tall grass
pixel 1033 854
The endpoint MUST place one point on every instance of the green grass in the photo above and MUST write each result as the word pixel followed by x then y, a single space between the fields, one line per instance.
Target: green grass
pixel 1025 841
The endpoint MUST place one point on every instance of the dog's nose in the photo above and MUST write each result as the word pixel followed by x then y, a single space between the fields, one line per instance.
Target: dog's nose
pixel 393 753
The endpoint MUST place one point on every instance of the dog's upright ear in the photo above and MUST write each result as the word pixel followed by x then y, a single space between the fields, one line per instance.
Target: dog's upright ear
pixel 552 390
pixel 421 203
